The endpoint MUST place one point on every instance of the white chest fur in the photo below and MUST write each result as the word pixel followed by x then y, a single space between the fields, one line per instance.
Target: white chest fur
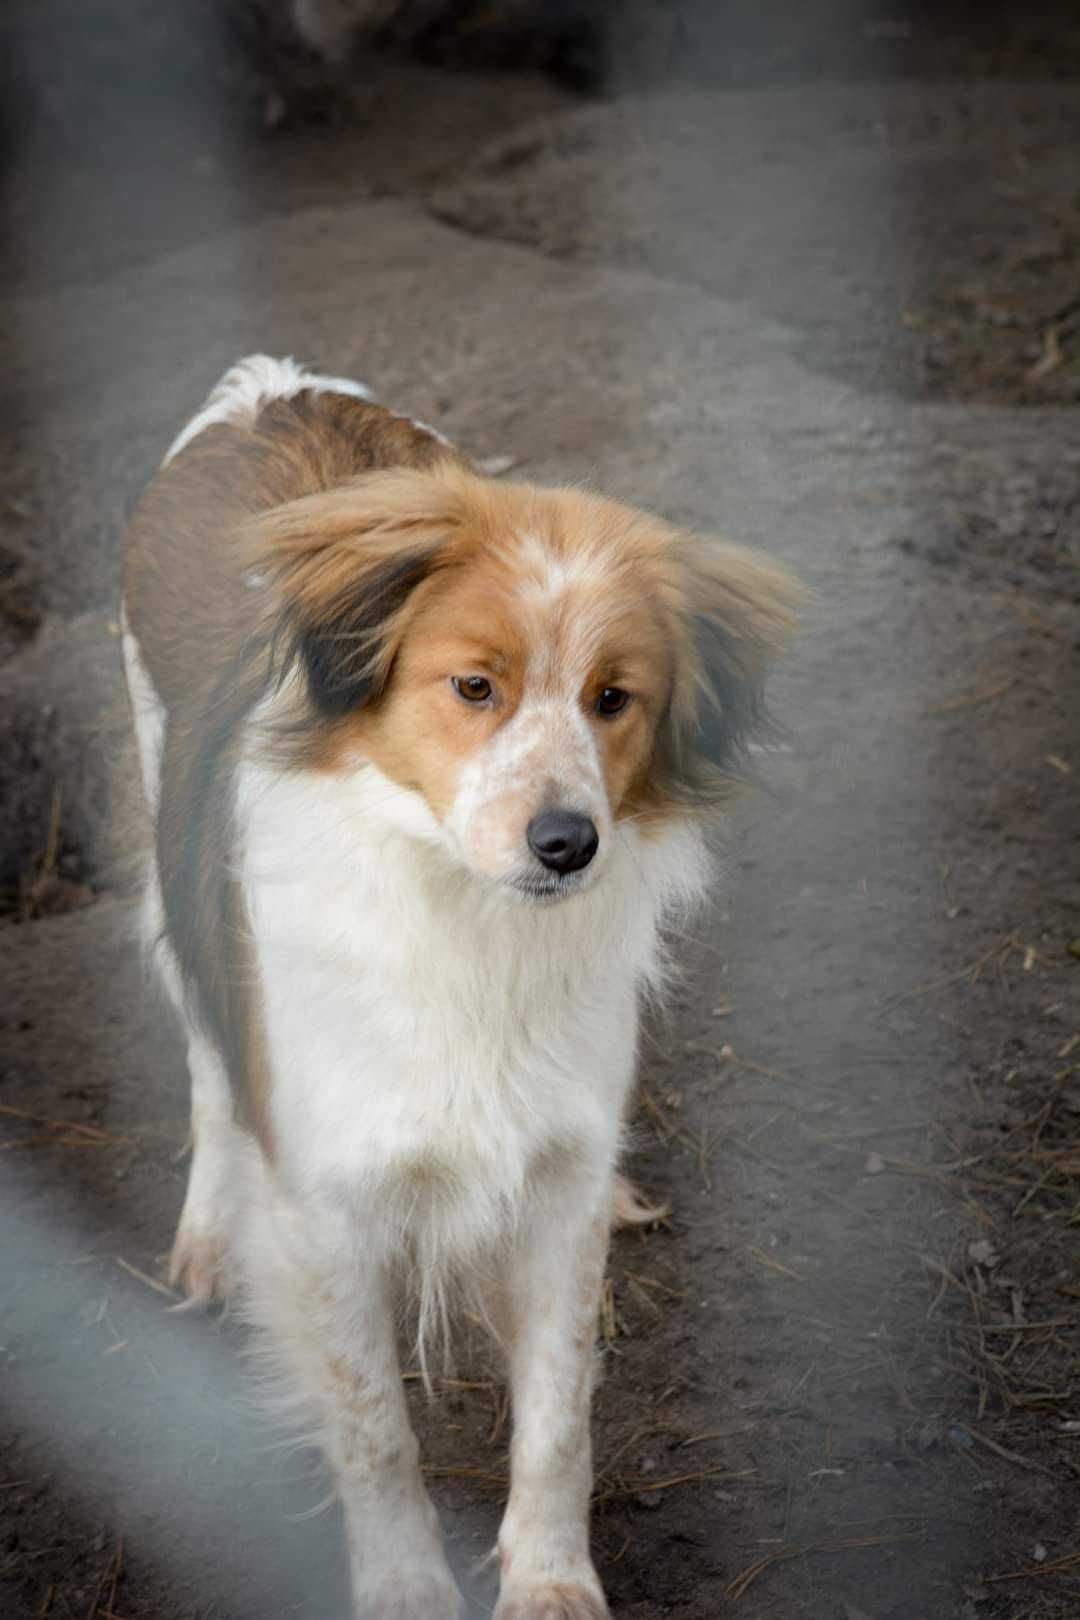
pixel 434 1045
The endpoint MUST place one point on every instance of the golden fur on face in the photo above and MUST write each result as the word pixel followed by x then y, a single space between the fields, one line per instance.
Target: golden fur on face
pixel 406 589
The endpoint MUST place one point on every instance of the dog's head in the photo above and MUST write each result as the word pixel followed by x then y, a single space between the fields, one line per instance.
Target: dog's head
pixel 535 667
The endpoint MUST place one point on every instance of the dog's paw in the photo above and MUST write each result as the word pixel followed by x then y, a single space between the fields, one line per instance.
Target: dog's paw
pixel 553 1600
pixel 412 1596
pixel 199 1266
pixel 630 1209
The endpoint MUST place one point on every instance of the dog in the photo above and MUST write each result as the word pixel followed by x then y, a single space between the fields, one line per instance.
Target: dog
pixel 431 760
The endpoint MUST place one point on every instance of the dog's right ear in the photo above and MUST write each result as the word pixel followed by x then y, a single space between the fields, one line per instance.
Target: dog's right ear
pixel 340 567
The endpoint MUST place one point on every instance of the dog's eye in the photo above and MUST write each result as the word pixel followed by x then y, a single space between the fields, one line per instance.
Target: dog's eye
pixel 473 688
pixel 612 700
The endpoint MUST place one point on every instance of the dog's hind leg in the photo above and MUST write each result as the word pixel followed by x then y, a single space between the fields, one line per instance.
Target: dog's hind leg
pixel 199 1264
pixel 200 1260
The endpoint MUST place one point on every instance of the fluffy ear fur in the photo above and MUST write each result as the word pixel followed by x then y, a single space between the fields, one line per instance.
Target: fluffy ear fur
pixel 736 610
pixel 342 565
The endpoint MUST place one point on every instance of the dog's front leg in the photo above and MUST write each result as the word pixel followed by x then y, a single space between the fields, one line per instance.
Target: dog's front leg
pixel 329 1312
pixel 552 1292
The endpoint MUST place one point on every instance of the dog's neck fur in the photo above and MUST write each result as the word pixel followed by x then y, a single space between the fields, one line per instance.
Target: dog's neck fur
pixel 445 995
pixel 447 935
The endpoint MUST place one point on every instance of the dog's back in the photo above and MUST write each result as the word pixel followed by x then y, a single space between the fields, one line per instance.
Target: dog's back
pixel 269 434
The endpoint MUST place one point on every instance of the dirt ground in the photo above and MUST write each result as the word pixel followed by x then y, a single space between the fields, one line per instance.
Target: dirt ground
pixel 818 290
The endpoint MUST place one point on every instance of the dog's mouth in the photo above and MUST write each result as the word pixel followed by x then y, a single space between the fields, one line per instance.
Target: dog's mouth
pixel 537 890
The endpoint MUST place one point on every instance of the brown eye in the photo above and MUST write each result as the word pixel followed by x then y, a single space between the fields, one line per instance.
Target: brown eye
pixel 612 700
pixel 473 688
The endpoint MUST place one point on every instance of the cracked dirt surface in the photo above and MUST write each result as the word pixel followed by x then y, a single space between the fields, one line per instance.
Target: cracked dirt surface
pixel 840 1381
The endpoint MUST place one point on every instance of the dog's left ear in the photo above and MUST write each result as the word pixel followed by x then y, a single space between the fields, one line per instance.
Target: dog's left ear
pixel 736 611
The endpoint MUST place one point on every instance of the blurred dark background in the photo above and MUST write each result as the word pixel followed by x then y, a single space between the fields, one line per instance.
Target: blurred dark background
pixel 128 125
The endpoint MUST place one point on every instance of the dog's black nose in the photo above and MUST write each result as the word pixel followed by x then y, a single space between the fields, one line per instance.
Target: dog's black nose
pixel 562 840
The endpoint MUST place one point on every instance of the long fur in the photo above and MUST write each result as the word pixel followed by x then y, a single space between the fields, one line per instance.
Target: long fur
pixel 412 1028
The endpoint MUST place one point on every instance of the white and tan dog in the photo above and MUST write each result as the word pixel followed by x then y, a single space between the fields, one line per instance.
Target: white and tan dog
pixel 428 759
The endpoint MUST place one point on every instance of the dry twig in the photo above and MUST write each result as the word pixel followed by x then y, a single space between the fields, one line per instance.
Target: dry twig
pixel 774 1265
pixel 742 1582
pixel 144 1277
